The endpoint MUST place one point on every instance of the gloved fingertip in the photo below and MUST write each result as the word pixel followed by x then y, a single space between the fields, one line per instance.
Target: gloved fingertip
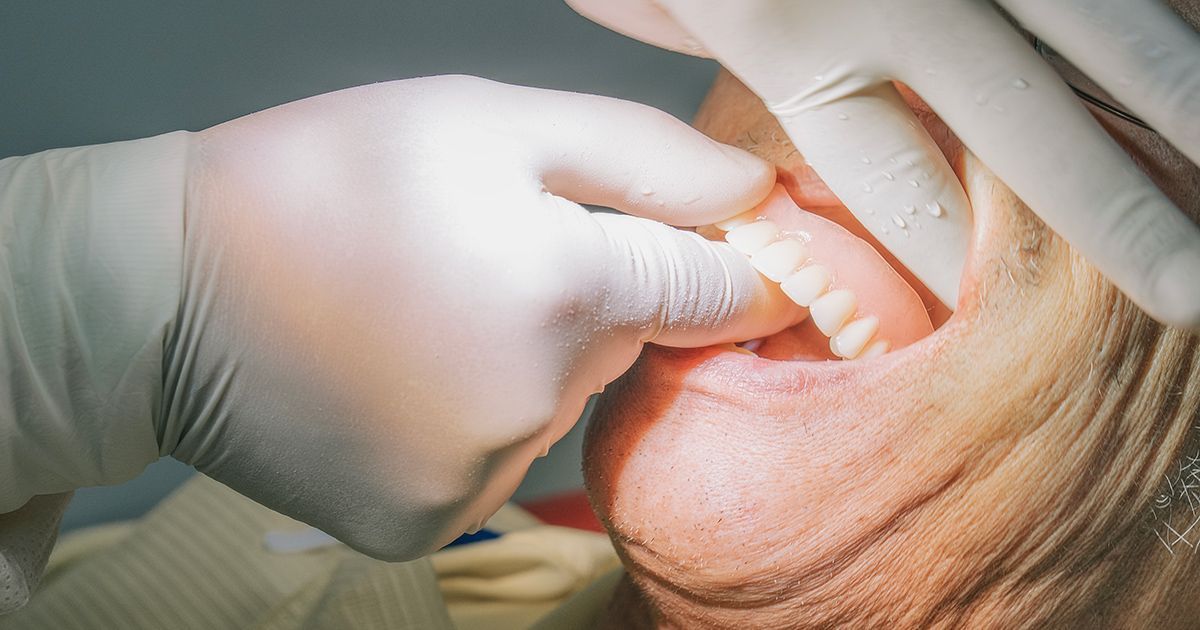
pixel 736 305
pixel 743 181
pixel 1176 292
pixel 758 172
pixel 643 21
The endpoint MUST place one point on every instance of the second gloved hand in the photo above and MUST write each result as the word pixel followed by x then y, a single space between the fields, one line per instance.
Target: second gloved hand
pixel 392 302
pixel 825 69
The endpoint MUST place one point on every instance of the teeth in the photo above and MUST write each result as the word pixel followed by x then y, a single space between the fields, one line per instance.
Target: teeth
pixel 806 285
pixel 778 260
pixel 832 310
pixel 740 350
pixel 849 342
pixel 742 219
pixel 876 349
pixel 753 345
pixel 751 237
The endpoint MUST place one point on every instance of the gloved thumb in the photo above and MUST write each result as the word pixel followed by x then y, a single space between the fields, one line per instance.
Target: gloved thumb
pixel 681 290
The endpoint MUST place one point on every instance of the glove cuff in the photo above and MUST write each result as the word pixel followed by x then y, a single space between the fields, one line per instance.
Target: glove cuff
pixel 91 246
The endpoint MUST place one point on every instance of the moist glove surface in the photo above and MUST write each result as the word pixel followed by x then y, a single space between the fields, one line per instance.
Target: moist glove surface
pixel 825 69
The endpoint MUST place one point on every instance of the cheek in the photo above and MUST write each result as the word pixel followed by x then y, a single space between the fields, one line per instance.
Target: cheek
pixel 678 480
pixel 708 487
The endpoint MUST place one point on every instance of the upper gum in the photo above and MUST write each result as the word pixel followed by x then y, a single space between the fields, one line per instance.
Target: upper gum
pixel 898 323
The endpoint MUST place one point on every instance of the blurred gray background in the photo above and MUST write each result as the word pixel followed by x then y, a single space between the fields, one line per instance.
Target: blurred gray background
pixel 85 72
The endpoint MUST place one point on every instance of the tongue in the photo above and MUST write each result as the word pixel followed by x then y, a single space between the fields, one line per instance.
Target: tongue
pixel 856 266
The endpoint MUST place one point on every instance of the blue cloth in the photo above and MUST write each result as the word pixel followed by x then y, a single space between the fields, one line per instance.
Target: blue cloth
pixel 479 536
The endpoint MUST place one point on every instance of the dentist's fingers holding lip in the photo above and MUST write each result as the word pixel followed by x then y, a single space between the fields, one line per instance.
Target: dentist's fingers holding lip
pixel 980 75
pixel 1011 109
pixel 842 113
pixel 882 164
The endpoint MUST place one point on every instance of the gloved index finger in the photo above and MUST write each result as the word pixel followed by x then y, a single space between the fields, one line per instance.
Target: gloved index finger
pixel 1018 116
pixel 876 157
pixel 634 158
pixel 847 120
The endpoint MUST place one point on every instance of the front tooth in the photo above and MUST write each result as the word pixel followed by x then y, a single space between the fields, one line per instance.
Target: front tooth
pixel 740 350
pixel 853 337
pixel 876 349
pixel 751 237
pixel 742 219
pixel 806 285
pixel 778 260
pixel 832 310
pixel 753 345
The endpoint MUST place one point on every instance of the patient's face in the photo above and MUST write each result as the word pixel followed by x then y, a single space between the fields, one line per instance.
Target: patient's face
pixel 1008 469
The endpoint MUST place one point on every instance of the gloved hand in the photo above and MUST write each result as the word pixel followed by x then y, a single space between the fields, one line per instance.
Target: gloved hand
pixel 392 303
pixel 825 70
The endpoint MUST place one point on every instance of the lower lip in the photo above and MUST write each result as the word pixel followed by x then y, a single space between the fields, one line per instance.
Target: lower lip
pixel 726 372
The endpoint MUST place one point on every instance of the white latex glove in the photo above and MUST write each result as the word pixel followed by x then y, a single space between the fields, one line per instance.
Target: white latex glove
pixel 824 68
pixel 391 302
pixel 27 535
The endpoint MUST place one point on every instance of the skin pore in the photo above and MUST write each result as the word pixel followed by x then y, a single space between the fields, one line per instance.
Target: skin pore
pixel 1033 463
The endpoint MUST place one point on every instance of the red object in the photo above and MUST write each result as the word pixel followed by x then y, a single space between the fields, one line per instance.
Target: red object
pixel 569 509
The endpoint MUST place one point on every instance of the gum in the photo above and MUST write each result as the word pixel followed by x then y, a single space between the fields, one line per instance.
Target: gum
pixel 856 266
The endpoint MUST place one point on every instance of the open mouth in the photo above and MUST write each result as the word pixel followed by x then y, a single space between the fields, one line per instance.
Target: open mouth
pixel 858 305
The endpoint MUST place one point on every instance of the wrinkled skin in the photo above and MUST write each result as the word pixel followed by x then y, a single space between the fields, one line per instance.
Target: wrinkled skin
pixel 1028 465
